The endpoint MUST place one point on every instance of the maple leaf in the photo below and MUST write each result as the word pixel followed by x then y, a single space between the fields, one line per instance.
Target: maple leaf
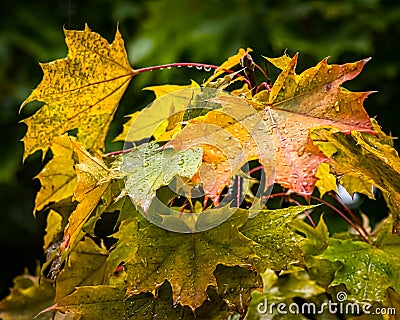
pixel 53 228
pixel 315 242
pixel 235 285
pixel 295 283
pixel 80 91
pixel 300 102
pixel 367 269
pixel 27 298
pixel 229 64
pixel 230 136
pixel 109 302
pixel 93 182
pixel 354 183
pixel 369 156
pixel 276 245
pixel 296 104
pixel 152 255
pixel 147 122
pixel 326 181
pixel 147 168
pixel 58 177
pixel 85 267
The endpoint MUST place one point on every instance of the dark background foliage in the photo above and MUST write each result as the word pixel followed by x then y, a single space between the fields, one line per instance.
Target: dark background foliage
pixel 166 31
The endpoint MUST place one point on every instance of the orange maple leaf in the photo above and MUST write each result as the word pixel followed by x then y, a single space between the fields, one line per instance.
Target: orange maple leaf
pixel 295 104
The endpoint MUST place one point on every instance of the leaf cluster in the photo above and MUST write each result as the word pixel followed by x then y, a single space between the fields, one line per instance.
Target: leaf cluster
pixel 112 250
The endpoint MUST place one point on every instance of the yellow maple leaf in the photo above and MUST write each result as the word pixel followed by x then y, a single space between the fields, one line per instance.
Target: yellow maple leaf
pixel 58 178
pixel 228 64
pixel 156 119
pixel 93 181
pixel 326 180
pixel 80 91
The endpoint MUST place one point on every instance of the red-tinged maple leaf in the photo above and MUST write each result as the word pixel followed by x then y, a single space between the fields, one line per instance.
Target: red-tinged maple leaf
pixel 298 103
pixel 295 104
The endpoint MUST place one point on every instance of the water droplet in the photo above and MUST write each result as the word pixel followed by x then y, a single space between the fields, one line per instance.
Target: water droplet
pixel 161 68
pixel 199 67
pixel 207 68
pixel 181 162
pixel 169 68
pixel 354 291
pixel 301 151
pixel 190 66
pixel 145 164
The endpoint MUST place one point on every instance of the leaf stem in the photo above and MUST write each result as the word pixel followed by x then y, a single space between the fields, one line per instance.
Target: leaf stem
pixel 352 224
pixel 307 212
pixel 343 216
pixel 198 66
pixel 346 208
pixel 118 152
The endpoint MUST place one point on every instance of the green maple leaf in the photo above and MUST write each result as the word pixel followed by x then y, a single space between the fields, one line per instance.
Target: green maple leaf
pixel 276 245
pixel 147 168
pixel 152 255
pixel 367 271
pixel 109 302
pixel 85 267
pixel 235 284
pixel 27 298
pixel 314 244
pixel 295 283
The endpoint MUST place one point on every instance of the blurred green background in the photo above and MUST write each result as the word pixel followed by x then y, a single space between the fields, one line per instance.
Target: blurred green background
pixel 165 31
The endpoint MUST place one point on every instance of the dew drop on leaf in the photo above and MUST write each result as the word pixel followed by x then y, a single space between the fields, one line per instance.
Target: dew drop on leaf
pixel 300 152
